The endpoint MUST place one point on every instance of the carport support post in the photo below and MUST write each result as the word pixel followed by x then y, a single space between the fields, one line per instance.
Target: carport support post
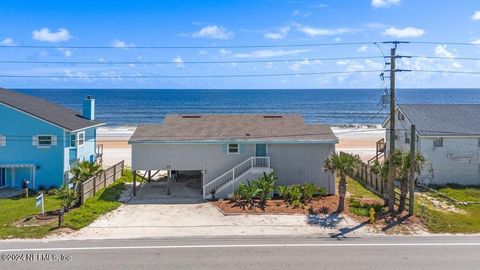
pixel 169 179
pixel 134 183
pixel 149 175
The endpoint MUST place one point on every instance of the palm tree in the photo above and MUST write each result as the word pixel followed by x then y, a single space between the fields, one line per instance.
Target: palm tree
pixel 402 168
pixel 84 170
pixel 342 165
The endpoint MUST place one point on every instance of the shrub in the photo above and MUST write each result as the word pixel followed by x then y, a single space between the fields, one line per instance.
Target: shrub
pixel 284 192
pixel 52 191
pixel 67 196
pixel 363 209
pixel 265 186
pixel 246 193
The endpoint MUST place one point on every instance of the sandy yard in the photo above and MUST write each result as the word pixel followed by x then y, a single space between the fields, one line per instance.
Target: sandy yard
pixel 151 214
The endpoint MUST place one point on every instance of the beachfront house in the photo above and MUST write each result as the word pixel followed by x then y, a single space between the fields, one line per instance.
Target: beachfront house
pixel 40 141
pixel 448 136
pixel 225 150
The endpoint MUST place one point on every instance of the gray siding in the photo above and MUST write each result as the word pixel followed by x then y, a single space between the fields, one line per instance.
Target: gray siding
pixel 458 161
pixel 301 163
pixel 292 163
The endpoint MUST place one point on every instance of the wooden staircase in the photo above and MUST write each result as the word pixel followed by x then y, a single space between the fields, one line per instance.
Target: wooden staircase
pixel 380 151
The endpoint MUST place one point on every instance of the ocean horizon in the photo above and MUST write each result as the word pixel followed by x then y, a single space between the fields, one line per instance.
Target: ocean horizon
pixel 335 107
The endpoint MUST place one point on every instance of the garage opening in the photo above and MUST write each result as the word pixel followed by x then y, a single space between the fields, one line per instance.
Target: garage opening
pixel 190 180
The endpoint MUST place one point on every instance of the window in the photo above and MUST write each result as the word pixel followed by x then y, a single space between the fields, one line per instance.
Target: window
pixel 478 142
pixel 81 138
pixel 3 140
pixel 44 140
pixel 233 148
pixel 73 140
pixel 401 116
pixel 407 140
pixel 437 142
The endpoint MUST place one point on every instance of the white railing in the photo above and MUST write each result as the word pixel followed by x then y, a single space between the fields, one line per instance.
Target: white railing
pixel 234 173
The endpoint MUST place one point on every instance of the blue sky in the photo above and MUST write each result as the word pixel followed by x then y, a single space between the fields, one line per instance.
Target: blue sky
pixel 220 24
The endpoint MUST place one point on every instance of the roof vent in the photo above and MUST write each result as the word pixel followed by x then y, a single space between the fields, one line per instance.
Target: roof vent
pixel 247 134
pixel 272 116
pixel 191 116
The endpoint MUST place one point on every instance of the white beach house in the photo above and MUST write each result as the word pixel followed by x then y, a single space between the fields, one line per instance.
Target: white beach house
pixel 225 150
pixel 448 136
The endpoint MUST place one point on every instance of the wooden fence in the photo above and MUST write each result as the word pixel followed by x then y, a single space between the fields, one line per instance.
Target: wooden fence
pixel 373 181
pixel 102 180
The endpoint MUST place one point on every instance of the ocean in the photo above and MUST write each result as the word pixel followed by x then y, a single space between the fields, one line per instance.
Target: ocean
pixel 336 107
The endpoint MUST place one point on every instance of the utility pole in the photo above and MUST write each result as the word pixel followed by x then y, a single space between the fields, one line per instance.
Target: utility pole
pixel 411 196
pixel 391 142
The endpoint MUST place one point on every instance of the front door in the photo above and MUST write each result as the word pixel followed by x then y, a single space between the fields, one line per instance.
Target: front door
pixel 3 176
pixel 261 150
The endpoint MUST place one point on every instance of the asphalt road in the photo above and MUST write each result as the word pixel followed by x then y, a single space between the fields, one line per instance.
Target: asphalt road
pixel 452 252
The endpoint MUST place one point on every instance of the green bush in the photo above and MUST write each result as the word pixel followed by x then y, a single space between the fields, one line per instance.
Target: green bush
pixel 363 209
pixel 265 187
pixel 246 193
pixel 67 196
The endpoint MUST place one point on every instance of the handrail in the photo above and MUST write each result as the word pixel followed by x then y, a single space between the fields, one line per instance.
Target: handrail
pixel 252 164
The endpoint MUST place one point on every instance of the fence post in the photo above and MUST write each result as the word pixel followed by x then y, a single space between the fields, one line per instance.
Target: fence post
pixel 94 185
pixel 115 173
pixel 105 179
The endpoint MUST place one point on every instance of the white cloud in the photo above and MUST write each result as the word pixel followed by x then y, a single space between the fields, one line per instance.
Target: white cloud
pixel 363 48
pixel 66 52
pixel 7 42
pixel 407 32
pixel 477 41
pixel 179 62
pixel 269 53
pixel 298 65
pixel 202 52
pixel 117 43
pixel 476 16
pixel 45 34
pixel 213 31
pixel 442 51
pixel 280 34
pixel 313 32
pixel 384 3
pixel 223 51
pixel 296 12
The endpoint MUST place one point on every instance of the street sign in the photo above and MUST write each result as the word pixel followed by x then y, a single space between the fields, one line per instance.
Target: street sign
pixel 39 201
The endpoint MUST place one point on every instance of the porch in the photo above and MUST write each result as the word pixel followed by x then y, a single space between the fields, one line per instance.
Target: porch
pixel 12 175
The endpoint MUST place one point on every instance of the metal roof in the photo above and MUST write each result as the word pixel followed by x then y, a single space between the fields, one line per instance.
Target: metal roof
pixel 50 112
pixel 222 127
pixel 443 119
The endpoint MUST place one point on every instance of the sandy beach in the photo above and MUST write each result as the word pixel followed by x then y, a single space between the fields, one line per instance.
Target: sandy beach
pixel 358 141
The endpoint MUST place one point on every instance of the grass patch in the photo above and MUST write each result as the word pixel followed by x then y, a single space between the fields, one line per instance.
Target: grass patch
pixel 103 202
pixel 363 209
pixel 358 190
pixel 15 209
pixel 443 221
pixel 461 193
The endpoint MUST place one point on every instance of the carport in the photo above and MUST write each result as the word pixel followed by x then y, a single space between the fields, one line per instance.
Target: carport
pixel 187 183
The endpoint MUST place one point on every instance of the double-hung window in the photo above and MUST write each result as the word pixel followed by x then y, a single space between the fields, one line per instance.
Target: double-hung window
pixel 45 140
pixel 438 142
pixel 81 138
pixel 73 140
pixel 233 148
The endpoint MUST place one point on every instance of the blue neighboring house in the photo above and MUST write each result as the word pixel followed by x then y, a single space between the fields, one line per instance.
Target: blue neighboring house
pixel 40 141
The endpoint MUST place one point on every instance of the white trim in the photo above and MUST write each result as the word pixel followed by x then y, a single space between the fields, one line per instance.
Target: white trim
pixel 36 140
pixel 78 138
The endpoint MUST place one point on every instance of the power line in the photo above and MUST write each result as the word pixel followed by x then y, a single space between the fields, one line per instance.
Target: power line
pixel 184 76
pixel 188 62
pixel 188 47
